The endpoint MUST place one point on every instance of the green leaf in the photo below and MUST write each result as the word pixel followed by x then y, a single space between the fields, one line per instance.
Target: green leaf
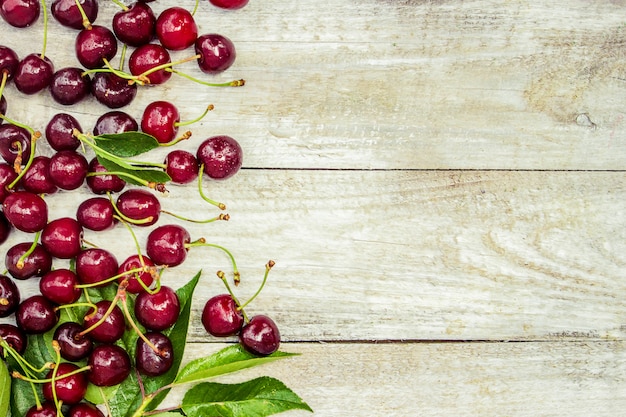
pixel 5 389
pixel 98 395
pixel 231 359
pixel 22 397
pixel 127 144
pixel 148 175
pixel 259 397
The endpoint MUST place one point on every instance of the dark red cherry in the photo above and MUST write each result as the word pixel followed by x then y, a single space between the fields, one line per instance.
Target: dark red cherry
pixel 148 361
pixel 84 410
pixel 260 336
pixel 221 316
pixel 26 211
pixel 149 56
pixel 34 264
pixel 96 214
pixel 103 183
pixel 68 169
pixel 20 13
pixel 113 326
pixel 62 238
pixel 135 262
pixel 112 90
pixel 73 345
pixel 14 143
pixel 176 28
pixel 8 61
pixel 181 166
pixel 229 4
pixel 36 315
pixel 135 25
pixel 7 176
pixel 70 85
pixel 60 132
pixel 14 336
pixel 9 296
pixel 115 121
pixel 110 365
pixel 67 13
pixel 222 156
pixel 160 119
pixel 5 228
pixel 47 409
pixel 37 178
pixel 139 204
pixel 94 45
pixel 217 53
pixel 94 265
pixel 33 74
pixel 3 107
pixel 167 245
pixel 59 286
pixel 68 389
pixel 159 310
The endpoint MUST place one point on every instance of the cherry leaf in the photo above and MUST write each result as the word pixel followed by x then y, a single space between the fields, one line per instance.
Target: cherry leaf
pixel 134 174
pixel 126 144
pixel 5 389
pixel 259 397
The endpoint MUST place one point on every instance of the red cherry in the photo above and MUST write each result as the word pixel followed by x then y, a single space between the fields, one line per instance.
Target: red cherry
pixel 229 4
pixel 69 389
pixel 147 57
pixel 176 28
pixel 217 53
pixel 160 119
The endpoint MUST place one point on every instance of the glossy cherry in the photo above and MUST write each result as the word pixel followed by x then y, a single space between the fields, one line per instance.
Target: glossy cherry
pixel 35 264
pixel 59 286
pixel 113 326
pixel 221 316
pixel 176 28
pixel 33 74
pixel 72 344
pixel 85 410
pixel 36 315
pixel 70 85
pixel 135 25
pixel 68 389
pixel 26 211
pixel 94 45
pixel 167 245
pixel 60 132
pixel 37 178
pixel 94 265
pixel 134 262
pixel 14 142
pixel 221 155
pixel 260 336
pixel 103 183
pixel 139 204
pixel 149 362
pixel 7 176
pixel 110 365
pixel 115 121
pixel 217 53
pixel 149 56
pixel 96 214
pixel 67 13
pixel 160 119
pixel 9 62
pixel 9 296
pixel 159 310
pixel 68 169
pixel 62 237
pixel 20 13
pixel 112 90
pixel 229 4
pixel 182 166
pixel 47 409
pixel 14 336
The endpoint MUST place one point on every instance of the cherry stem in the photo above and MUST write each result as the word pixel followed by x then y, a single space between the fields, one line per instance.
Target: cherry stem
pixel 132 323
pixel 21 260
pixel 270 264
pixel 112 279
pixel 222 216
pixel 221 275
pixel 195 8
pixel 197 119
pixel 86 22
pixel 3 83
pixel 121 174
pixel 203 242
pixel 221 206
pixel 24 364
pixel 120 216
pixel 45 28
pixel 18 124
pixel 143 77
pixel 22 171
pixel 122 5
pixel 84 304
pixel 106 313
pixel 57 350
pixel 233 83
pixel 173 142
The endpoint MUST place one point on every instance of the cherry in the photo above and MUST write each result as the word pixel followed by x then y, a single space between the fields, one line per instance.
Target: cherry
pixel 103 183
pixel 150 362
pixel 135 25
pixel 221 156
pixel 14 336
pixel 62 238
pixel 160 119
pixel 3 107
pixel 70 85
pixel 20 13
pixel 260 336
pixel 47 409
pixel 217 53
pixel 73 346
pixel 96 214
pixel 168 245
pixel 5 228
pixel 33 74
pixel 109 330
pixel 15 143
pixel 110 365
pixel 94 265
pixel 176 28
pixel 35 264
pixel 139 205
pixel 26 211
pixel 9 61
pixel 94 45
pixel 36 315
pixel 145 58
pixel 111 90
pixel 84 410
pixel 67 13
pixel 37 178
pixel 59 286
pixel 7 176
pixel 68 169
pixel 115 121
pixel 134 262
pixel 9 296
pixel 68 389
pixel 60 132
pixel 221 316
pixel 182 166
pixel 159 310
pixel 229 4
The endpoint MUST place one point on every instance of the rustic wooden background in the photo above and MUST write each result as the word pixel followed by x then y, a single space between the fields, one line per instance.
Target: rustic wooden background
pixel 441 185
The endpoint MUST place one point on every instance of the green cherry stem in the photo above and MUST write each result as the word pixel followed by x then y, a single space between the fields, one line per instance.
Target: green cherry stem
pixel 150 184
pixel 222 216
pixel 195 8
pixel 112 279
pixel 45 28
pixel 122 5
pixel 86 22
pixel 24 364
pixel 120 216
pixel 203 242
pixel 3 83
pixel 221 206
pixel 173 142
pixel 22 171
pixel 106 314
pixel 270 264
pixel 133 325
pixel 233 83
pixel 57 350
pixel 22 259
pixel 221 275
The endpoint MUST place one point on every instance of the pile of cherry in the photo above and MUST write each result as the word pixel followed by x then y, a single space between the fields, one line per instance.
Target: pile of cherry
pixel 28 181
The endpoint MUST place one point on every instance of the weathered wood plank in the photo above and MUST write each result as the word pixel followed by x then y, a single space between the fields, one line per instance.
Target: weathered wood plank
pixel 446 379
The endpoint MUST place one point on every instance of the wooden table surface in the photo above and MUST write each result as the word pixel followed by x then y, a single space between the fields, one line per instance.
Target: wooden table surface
pixel 441 185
